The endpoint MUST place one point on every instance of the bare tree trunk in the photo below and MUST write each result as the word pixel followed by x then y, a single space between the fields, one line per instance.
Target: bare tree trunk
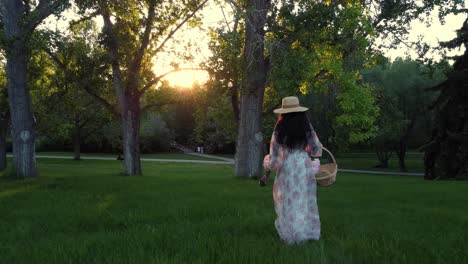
pixel 22 120
pixel 19 22
pixel 235 102
pixel 402 145
pixel 3 135
pixel 77 139
pixel 129 105
pixel 131 138
pixel 401 153
pixel 249 151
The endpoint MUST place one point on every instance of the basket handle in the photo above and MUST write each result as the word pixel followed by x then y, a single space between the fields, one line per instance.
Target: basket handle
pixel 331 155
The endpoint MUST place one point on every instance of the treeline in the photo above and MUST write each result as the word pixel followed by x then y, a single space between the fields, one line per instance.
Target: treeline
pixel 95 87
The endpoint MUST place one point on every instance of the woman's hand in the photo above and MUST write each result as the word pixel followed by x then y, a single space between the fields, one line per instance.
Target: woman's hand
pixel 264 179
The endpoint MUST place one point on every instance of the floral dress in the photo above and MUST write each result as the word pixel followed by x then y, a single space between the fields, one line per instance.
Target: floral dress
pixel 295 189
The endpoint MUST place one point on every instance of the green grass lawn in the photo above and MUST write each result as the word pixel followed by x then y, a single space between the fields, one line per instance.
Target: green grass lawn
pixel 368 161
pixel 85 212
pixel 164 155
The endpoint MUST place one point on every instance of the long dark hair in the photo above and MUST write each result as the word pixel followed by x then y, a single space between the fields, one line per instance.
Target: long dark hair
pixel 291 130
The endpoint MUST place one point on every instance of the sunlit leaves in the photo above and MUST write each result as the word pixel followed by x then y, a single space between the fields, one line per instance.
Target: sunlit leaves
pixel 357 113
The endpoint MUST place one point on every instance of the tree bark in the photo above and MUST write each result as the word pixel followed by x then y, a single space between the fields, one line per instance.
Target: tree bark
pixel 3 135
pixel 22 120
pixel 77 139
pixel 402 145
pixel 235 102
pixel 131 137
pixel 401 153
pixel 129 105
pixel 249 151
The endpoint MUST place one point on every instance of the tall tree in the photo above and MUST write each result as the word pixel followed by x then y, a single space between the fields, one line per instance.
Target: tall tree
pixel 81 65
pixel 403 82
pixel 134 33
pixel 4 118
pixel 446 155
pixel 249 150
pixel 19 20
pixel 317 50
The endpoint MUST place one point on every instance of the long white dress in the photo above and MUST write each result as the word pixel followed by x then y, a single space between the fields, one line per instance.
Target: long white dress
pixel 295 189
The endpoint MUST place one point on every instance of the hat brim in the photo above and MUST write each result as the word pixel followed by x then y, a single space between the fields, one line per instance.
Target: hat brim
pixel 290 110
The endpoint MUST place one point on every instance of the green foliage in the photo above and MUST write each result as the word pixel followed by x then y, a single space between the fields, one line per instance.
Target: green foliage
pixel 155 136
pixel 215 126
pixel 357 113
pixel 60 76
pixel 403 96
pixel 316 50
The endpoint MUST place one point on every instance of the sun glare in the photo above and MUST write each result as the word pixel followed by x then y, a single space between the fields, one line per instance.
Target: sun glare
pixel 186 79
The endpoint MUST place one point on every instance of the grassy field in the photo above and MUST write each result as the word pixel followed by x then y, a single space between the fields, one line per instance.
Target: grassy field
pixel 163 155
pixel 368 160
pixel 86 212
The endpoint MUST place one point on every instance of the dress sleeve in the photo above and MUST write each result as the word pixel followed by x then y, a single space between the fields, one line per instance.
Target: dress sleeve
pixel 314 147
pixel 275 159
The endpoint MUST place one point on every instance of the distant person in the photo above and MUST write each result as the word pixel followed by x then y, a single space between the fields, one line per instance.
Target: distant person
pixel 293 142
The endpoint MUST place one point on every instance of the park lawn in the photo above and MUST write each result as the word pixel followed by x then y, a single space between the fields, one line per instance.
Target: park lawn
pixel 86 212
pixel 368 161
pixel 163 155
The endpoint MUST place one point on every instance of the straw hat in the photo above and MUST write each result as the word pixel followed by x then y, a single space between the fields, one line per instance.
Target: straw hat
pixel 290 104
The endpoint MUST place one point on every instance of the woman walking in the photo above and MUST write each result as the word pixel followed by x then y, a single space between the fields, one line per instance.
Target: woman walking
pixel 293 142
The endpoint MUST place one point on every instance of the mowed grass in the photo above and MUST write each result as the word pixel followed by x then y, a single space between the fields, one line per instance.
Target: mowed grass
pixel 86 212
pixel 162 155
pixel 368 161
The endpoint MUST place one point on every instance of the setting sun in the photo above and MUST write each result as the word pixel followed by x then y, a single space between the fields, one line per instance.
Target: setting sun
pixel 187 78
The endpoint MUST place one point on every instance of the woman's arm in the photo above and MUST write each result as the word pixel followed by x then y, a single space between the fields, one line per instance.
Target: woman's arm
pixel 274 160
pixel 314 147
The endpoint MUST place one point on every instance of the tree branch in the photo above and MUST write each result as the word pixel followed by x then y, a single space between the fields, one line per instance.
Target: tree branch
pixel 56 59
pixel 101 100
pixel 27 7
pixel 136 64
pixel 239 9
pixel 85 18
pixel 112 44
pixel 42 11
pixel 179 26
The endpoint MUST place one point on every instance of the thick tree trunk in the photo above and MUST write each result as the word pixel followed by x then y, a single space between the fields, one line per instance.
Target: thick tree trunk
pixel 22 120
pixel 77 140
pixel 401 153
pixel 131 138
pixel 402 146
pixel 129 101
pixel 3 135
pixel 249 151
pixel 235 102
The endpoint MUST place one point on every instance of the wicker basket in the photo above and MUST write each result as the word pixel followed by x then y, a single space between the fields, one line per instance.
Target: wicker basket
pixel 327 172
